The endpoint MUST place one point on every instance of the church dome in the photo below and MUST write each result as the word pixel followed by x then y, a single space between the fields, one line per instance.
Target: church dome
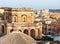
pixel 17 38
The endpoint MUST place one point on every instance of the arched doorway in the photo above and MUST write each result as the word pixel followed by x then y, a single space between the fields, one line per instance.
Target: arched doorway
pixel 2 28
pixel 32 33
pixel 11 30
pixel 49 33
pixel 26 31
pixel 20 30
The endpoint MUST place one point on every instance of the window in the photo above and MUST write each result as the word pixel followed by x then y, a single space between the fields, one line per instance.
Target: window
pixel 2 29
pixel 15 18
pixel 11 30
pixel 24 17
pixel 6 17
pixel 49 33
pixel 20 30
pixel 9 19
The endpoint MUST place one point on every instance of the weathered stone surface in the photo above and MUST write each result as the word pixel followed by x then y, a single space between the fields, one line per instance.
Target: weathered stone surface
pixel 17 38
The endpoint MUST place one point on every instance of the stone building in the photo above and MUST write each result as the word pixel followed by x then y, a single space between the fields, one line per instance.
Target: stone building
pixel 54 15
pixel 20 19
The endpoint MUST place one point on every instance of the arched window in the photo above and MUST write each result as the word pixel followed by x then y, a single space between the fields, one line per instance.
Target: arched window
pixel 26 31
pixel 15 18
pixel 19 30
pixel 32 33
pixel 11 30
pixel 49 33
pixel 24 18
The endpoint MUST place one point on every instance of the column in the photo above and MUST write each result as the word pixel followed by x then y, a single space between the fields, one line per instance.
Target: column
pixel 40 31
pixel 36 33
pixel 29 32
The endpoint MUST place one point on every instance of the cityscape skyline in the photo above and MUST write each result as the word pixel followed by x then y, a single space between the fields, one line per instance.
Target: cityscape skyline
pixel 37 4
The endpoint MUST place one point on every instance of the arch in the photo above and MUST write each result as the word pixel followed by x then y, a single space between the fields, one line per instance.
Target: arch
pixel 11 30
pixel 20 30
pixel 2 28
pixel 26 31
pixel 23 18
pixel 32 33
pixel 15 18
pixel 49 33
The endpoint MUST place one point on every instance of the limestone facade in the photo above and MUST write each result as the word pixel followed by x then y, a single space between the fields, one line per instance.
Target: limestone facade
pixel 21 19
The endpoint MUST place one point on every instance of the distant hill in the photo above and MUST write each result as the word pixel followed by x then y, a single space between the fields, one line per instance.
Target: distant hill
pixel 54 10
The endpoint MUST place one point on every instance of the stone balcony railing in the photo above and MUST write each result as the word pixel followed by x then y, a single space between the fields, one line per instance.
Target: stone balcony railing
pixel 22 25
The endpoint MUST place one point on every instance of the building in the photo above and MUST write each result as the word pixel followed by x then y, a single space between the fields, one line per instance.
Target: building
pixel 20 19
pixel 58 29
pixel 17 38
pixel 54 15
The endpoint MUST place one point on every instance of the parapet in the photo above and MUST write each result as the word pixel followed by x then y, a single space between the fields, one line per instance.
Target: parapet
pixel 22 9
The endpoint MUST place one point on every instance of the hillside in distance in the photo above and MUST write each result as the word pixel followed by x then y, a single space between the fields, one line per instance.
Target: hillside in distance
pixel 54 10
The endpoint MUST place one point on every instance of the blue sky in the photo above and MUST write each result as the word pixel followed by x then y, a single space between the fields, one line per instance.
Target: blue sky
pixel 36 4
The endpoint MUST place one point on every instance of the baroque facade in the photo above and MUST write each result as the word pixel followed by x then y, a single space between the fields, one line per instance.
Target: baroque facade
pixel 19 19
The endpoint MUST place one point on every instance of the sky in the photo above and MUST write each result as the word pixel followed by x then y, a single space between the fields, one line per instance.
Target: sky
pixel 36 4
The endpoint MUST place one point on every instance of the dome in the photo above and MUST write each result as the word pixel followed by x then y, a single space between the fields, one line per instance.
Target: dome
pixel 17 38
